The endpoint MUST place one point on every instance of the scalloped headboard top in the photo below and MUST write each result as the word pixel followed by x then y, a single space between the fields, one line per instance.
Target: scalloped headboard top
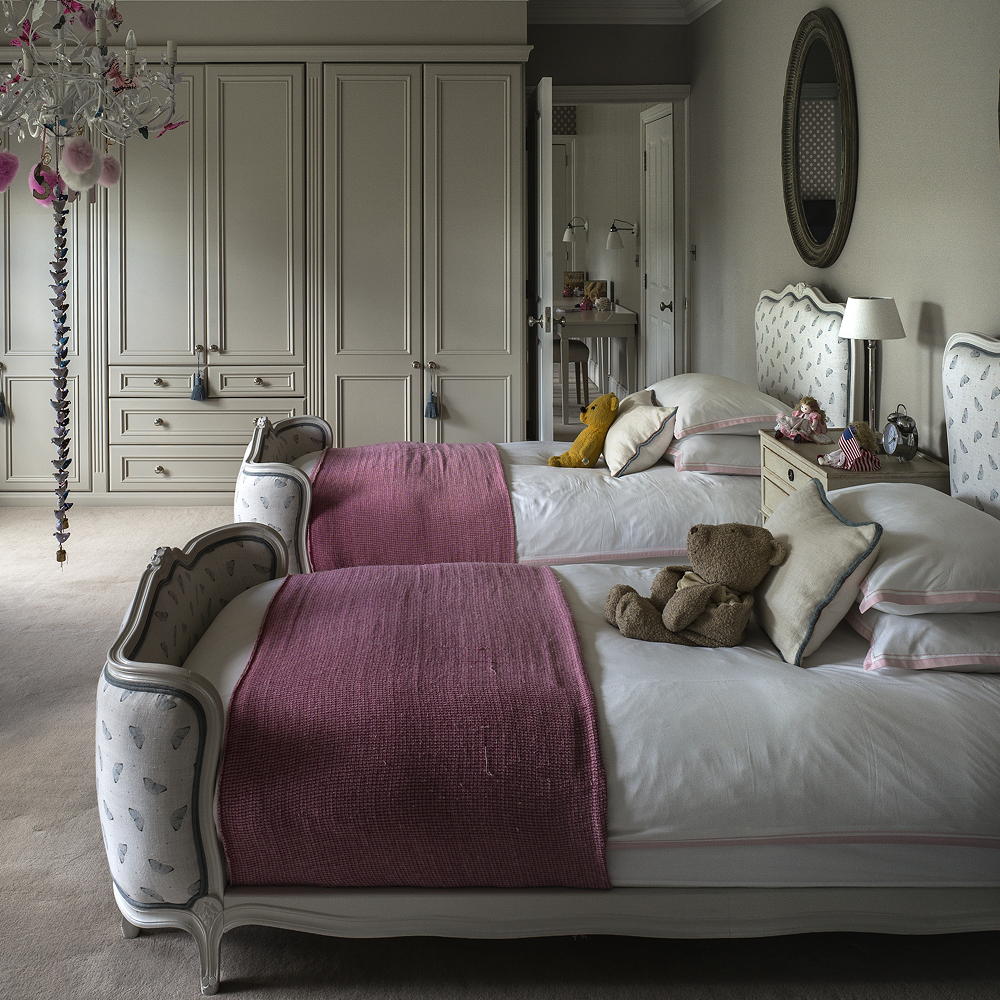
pixel 800 352
pixel 971 381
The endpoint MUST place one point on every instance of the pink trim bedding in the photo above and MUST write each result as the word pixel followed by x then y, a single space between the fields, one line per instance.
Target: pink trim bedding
pixel 415 726
pixel 404 503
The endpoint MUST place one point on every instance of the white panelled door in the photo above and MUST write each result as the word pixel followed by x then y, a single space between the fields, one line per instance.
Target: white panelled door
pixel 545 237
pixel 372 261
pixel 474 340
pixel 660 307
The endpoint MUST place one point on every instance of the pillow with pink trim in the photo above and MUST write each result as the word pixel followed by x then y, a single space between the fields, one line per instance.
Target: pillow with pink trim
pixel 938 554
pixel 968 644
pixel 717 454
pixel 714 404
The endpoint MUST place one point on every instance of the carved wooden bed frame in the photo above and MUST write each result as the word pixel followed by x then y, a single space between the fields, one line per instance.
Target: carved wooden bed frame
pixel 158 825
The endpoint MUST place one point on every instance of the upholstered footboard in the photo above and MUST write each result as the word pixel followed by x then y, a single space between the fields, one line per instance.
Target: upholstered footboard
pixel 271 491
pixel 159 734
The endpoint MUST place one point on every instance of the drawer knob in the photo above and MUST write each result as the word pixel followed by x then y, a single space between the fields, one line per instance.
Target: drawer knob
pixel 433 365
pixel 416 364
pixel 791 475
pixel 159 470
pixel 258 381
pixel 158 422
pixel 214 348
pixel 158 381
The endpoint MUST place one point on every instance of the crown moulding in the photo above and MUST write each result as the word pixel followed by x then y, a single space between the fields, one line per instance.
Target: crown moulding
pixel 620 12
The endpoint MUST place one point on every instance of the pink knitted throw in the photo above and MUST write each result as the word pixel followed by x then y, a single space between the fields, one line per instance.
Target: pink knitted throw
pixel 403 503
pixel 415 726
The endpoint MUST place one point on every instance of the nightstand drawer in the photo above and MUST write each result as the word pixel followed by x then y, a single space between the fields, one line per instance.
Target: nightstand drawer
pixel 784 470
pixel 772 493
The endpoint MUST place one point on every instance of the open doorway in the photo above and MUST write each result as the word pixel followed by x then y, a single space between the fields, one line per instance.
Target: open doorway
pixel 614 218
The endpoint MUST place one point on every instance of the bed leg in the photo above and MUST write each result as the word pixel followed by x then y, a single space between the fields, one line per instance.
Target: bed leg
pixel 129 930
pixel 208 934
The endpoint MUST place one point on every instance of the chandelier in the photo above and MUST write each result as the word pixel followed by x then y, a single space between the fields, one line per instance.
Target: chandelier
pixel 71 91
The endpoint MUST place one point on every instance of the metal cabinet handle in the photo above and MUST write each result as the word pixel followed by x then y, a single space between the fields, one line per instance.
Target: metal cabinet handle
pixel 158 422
pixel 158 381
pixel 417 364
pixel 198 348
pixel 258 381
pixel 791 475
pixel 159 470
pixel 433 365
pixel 667 305
pixel 561 320
pixel 536 321
pixel 214 348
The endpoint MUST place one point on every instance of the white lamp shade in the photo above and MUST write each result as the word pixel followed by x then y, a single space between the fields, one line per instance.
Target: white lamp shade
pixel 568 235
pixel 614 241
pixel 871 319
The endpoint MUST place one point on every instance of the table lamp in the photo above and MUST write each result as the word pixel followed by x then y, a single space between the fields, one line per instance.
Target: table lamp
pixel 871 319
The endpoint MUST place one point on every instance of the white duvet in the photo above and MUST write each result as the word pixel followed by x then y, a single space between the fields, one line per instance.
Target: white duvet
pixel 586 515
pixel 731 767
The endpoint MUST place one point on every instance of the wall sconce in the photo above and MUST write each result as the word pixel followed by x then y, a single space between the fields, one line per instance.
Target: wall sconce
pixel 577 222
pixel 614 241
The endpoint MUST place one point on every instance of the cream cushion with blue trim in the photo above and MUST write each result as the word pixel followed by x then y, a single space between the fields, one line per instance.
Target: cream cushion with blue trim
pixel 803 600
pixel 640 435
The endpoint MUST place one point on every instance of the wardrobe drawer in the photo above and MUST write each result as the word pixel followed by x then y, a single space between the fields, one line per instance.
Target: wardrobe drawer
pixel 186 421
pixel 262 380
pixel 154 382
pixel 161 468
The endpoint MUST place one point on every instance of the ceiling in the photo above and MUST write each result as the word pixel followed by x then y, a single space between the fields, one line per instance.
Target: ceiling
pixel 617 11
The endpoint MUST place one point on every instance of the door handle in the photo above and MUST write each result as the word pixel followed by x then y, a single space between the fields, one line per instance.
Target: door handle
pixel 536 321
pixel 433 365
pixel 417 364
pixel 667 305
pixel 561 320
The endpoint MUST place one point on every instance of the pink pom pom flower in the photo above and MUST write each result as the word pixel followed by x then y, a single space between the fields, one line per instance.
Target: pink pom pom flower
pixel 111 172
pixel 8 169
pixel 43 184
pixel 78 155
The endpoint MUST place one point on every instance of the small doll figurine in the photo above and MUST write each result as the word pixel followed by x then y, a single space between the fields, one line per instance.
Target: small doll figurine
pixel 807 422
pixel 585 304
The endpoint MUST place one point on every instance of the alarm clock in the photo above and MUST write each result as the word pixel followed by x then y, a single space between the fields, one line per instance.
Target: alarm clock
pixel 899 438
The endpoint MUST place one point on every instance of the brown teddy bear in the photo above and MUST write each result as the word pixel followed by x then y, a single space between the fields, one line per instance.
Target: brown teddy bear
pixel 708 603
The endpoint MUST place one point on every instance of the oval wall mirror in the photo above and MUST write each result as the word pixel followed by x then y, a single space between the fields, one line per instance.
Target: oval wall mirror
pixel 819 139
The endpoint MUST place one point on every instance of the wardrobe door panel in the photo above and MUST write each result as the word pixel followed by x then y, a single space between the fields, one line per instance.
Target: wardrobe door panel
pixel 156 239
pixel 256 212
pixel 473 273
pixel 26 335
pixel 372 252
pixel 375 408
pixel 473 408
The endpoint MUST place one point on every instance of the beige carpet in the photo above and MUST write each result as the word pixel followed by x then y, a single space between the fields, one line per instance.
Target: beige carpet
pixel 58 924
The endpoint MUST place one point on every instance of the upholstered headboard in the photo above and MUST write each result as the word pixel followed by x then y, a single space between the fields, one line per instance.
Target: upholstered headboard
pixel 971 377
pixel 800 353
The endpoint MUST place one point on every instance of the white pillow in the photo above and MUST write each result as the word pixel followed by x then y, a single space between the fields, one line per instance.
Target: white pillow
pixel 639 439
pixel 644 397
pixel 803 600
pixel 721 454
pixel 964 643
pixel 938 555
pixel 713 404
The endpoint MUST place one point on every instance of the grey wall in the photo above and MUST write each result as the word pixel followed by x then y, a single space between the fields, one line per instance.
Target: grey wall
pixel 927 222
pixel 319 22
pixel 604 54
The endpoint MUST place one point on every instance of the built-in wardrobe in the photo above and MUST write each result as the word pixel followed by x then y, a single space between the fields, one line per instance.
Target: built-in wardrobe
pixel 335 237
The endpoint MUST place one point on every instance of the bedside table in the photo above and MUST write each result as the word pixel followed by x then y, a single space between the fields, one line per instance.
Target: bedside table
pixel 786 467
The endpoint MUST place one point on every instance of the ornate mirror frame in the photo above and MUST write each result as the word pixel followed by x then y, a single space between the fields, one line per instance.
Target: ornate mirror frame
pixel 820 25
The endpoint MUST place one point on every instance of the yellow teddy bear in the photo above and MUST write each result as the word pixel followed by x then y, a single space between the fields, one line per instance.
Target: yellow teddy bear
pixel 589 443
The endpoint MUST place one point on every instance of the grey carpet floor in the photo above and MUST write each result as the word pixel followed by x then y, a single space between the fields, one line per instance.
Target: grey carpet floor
pixel 58 923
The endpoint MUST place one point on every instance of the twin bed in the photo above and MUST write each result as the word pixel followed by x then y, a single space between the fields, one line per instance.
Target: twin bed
pixel 739 795
pixel 585 515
